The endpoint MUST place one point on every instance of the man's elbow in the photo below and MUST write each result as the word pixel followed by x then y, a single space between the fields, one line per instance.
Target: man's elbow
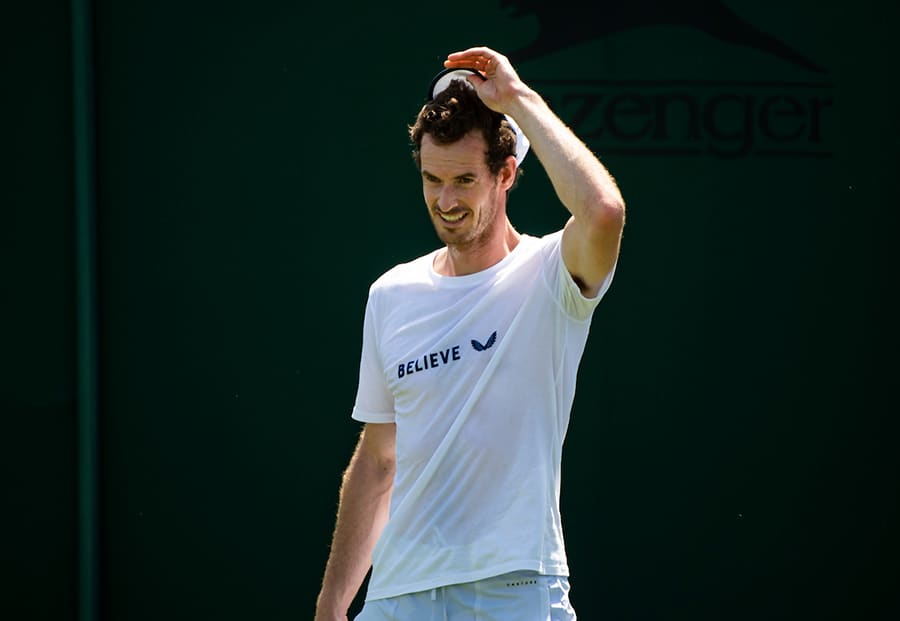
pixel 380 465
pixel 606 217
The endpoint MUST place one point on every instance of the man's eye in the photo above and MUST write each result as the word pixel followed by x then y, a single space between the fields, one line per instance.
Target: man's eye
pixel 466 180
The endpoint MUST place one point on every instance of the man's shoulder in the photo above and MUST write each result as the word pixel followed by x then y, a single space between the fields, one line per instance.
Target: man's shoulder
pixel 550 239
pixel 543 245
pixel 415 271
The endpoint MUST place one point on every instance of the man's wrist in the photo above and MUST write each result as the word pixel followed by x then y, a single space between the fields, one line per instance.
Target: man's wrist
pixel 326 613
pixel 525 102
pixel 327 608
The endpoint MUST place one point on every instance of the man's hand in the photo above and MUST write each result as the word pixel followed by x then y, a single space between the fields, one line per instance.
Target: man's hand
pixel 501 84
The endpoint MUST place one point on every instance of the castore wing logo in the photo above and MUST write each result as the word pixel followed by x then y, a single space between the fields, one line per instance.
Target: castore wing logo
pixel 477 346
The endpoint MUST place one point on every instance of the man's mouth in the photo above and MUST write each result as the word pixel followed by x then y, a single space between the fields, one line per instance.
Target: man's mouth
pixel 452 217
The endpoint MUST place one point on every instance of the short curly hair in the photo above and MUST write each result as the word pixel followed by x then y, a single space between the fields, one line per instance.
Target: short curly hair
pixel 455 112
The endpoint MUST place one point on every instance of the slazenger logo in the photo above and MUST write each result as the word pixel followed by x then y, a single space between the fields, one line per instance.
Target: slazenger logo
pixel 688 117
pixel 435 359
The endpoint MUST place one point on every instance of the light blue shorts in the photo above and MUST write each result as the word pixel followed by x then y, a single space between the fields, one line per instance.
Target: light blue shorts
pixel 519 596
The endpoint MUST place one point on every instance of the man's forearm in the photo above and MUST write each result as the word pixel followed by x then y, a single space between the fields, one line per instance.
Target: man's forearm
pixel 362 513
pixel 581 182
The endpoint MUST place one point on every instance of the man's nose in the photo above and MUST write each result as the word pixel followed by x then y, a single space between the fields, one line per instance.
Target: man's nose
pixel 447 199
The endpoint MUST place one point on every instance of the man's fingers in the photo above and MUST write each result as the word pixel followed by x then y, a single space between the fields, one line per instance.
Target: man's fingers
pixel 472 51
pixel 480 58
pixel 479 64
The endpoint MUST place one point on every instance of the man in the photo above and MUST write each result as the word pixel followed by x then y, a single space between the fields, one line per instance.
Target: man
pixel 468 371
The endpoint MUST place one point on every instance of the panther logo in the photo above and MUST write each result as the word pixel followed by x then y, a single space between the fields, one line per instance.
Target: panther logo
pixel 566 23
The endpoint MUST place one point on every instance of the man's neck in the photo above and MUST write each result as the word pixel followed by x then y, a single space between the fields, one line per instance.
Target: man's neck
pixel 461 261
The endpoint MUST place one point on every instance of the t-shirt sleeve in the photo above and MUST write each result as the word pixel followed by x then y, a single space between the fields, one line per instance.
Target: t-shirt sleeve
pixel 560 282
pixel 374 401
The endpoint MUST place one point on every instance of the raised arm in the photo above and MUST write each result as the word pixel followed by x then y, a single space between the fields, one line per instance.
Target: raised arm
pixel 591 239
pixel 362 513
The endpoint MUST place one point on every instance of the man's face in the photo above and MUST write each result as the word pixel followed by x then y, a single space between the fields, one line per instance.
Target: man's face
pixel 464 199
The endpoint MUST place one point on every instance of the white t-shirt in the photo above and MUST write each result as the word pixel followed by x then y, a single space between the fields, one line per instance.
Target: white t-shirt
pixel 478 372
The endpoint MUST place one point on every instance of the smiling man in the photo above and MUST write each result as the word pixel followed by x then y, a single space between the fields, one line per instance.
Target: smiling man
pixel 468 369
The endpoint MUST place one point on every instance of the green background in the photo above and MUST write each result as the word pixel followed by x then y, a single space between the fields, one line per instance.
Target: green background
pixel 732 452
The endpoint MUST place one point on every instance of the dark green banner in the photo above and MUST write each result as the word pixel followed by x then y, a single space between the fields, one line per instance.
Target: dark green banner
pixel 731 452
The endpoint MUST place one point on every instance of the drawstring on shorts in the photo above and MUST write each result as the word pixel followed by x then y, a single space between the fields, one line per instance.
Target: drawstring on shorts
pixel 443 600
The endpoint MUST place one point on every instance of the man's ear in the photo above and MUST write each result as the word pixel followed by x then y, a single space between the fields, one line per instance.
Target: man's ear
pixel 508 173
